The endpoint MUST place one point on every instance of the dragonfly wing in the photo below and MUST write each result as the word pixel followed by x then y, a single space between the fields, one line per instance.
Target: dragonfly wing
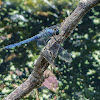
pixel 49 55
pixel 64 55
pixel 42 42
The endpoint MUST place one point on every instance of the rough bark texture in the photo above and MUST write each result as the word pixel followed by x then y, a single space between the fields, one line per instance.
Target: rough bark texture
pixel 67 26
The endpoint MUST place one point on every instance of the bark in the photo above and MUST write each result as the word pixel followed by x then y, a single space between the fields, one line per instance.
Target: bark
pixel 67 26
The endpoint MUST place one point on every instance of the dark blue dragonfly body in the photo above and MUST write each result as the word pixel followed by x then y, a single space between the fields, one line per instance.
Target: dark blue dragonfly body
pixel 46 33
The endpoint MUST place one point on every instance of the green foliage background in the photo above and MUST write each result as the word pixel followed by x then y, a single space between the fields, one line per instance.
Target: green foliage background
pixel 79 80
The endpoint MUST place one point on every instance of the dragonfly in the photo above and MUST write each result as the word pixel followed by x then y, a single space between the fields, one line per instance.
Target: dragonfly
pixel 46 33
pixel 41 39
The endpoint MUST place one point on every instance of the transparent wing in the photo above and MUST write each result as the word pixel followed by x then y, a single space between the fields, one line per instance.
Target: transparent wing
pixel 49 55
pixel 42 42
pixel 64 55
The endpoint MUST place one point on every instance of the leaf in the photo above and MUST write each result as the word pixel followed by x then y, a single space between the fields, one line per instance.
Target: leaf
pixel 51 81
pixel 12 56
pixel 0 2
pixel 2 86
pixel 18 72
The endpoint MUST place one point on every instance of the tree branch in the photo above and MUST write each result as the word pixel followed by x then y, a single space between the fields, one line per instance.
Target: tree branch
pixel 67 26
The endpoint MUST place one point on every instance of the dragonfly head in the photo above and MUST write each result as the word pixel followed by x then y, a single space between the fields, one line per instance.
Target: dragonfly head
pixel 53 31
pixel 57 32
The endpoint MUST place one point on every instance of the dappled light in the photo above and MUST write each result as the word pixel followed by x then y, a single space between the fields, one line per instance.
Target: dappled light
pixel 76 71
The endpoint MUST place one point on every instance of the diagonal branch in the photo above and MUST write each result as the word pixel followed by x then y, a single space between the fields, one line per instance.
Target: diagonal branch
pixel 67 26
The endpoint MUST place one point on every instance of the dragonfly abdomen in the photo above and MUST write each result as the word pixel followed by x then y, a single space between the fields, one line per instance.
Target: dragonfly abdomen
pixel 43 34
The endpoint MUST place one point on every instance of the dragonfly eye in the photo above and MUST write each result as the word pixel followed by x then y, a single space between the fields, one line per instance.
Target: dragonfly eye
pixel 57 31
